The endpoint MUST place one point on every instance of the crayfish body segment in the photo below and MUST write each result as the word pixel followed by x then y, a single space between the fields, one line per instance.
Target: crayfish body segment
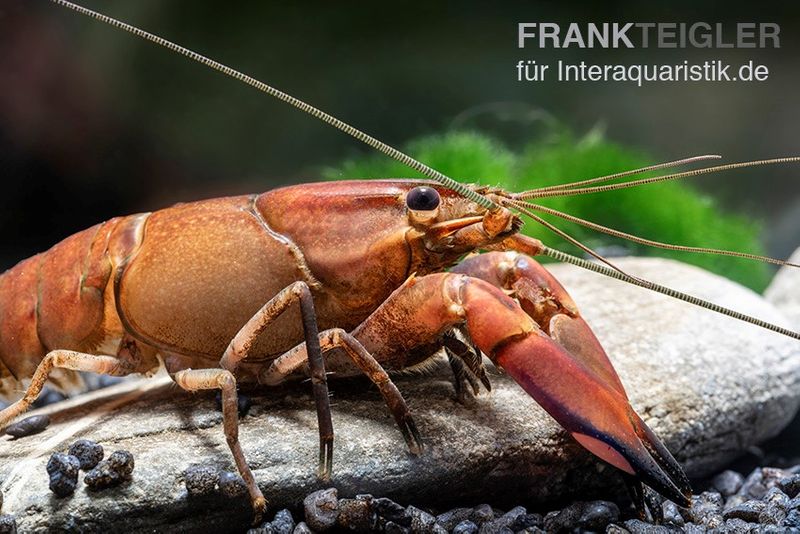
pixel 344 275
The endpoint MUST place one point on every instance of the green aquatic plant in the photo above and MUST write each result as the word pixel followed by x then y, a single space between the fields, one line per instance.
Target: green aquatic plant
pixel 671 212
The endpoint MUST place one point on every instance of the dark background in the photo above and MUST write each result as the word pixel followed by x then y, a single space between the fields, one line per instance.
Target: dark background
pixel 96 123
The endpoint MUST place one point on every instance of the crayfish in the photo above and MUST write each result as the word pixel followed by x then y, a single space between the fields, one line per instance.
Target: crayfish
pixel 353 277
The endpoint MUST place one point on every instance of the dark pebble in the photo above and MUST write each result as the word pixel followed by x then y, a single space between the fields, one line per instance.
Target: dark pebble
pixel 777 503
pixel 421 521
pixel 728 482
pixel 465 527
pixel 636 526
pixel 8 524
pixel 87 452
pixel 122 463
pixel 322 509
pixel 201 479
pixel 302 528
pixel 356 514
pixel 232 485
pixel 707 509
pixel 243 403
pixel 792 519
pixel 671 514
pixel 63 471
pixel 740 526
pixel 391 511
pixel 283 523
pixel 527 522
pixel 592 515
pixel 747 511
pixel 761 480
pixel 481 514
pixel 48 396
pixel 28 426
pixel 790 485
pixel 453 517
pixel 504 522
pixel 102 476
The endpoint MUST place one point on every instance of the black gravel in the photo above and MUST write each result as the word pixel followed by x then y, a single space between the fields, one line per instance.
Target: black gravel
pixel 118 468
pixel 87 452
pixel 28 426
pixel 63 471
pixel 201 480
pixel 766 500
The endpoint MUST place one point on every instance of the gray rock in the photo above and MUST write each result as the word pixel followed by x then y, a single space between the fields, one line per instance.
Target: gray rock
pixel 784 290
pixel 728 482
pixel 710 386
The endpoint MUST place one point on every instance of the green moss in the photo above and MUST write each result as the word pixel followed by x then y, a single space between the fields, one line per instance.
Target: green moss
pixel 671 212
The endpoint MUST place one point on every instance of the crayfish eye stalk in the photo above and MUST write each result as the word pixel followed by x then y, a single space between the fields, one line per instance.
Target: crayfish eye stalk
pixel 423 203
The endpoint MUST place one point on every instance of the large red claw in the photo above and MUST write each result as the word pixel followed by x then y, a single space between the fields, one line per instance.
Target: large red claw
pixel 570 376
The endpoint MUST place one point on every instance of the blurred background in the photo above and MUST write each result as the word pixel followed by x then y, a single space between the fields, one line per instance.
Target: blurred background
pixel 95 123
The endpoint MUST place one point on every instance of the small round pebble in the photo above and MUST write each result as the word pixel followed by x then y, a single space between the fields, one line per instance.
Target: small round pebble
pixel 122 463
pixel 28 426
pixel 322 509
pixel 391 511
pixel 356 514
pixel 63 471
pixel 283 522
pixel 88 452
pixel 232 485
pixel 421 521
pixel 728 482
pixel 482 513
pixel 8 524
pixel 201 479
pixel 465 527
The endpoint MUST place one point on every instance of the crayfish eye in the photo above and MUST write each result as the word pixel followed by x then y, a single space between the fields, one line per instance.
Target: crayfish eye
pixel 422 198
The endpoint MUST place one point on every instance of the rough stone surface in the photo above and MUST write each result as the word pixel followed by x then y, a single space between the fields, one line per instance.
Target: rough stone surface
pixel 784 291
pixel 710 386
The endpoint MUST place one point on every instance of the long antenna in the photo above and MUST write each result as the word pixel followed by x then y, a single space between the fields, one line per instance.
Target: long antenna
pixel 460 188
pixel 327 118
pixel 602 269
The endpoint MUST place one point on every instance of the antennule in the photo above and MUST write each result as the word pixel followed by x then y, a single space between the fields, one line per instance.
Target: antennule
pixel 655 179
pixel 649 242
pixel 623 174
pixel 390 151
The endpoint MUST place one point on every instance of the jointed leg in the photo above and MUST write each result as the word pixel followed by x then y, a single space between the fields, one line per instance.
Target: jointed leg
pixel 199 379
pixel 240 345
pixel 338 338
pixel 65 359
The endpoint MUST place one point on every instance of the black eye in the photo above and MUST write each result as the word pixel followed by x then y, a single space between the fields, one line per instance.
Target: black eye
pixel 422 199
